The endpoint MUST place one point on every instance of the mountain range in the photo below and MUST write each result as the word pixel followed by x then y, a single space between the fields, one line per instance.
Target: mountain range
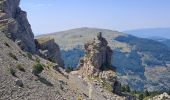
pixel 150 32
pixel 158 34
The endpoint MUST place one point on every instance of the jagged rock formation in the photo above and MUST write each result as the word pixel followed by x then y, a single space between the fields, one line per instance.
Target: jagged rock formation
pixel 14 23
pixel 48 49
pixel 97 62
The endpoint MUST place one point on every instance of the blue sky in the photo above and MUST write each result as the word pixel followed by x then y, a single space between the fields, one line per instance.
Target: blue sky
pixel 46 16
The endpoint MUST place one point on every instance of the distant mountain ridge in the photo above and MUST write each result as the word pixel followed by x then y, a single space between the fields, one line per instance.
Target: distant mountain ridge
pixel 150 32
pixel 161 39
pixel 158 34
pixel 137 60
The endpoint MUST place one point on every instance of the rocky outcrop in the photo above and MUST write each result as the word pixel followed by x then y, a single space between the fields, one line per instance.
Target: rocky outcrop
pixel 14 23
pixel 163 96
pixel 48 49
pixel 98 56
pixel 97 63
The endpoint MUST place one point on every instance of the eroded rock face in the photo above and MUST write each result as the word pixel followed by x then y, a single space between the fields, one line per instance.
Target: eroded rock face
pixel 97 62
pixel 48 49
pixel 13 22
pixel 98 56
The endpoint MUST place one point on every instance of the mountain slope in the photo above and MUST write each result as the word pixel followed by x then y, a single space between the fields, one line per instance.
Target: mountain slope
pixel 135 58
pixel 162 40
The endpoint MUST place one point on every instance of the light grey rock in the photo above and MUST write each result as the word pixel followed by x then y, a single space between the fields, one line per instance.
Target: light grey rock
pixel 98 56
pixel 14 21
pixel 97 63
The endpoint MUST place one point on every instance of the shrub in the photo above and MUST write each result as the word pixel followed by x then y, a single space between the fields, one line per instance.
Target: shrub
pixel 29 55
pixel 146 93
pixel 13 72
pixel 69 69
pixel 19 66
pixel 125 88
pixel 141 96
pixel 38 68
pixel 13 56
pixel 52 59
pixel 128 88
pixel 37 60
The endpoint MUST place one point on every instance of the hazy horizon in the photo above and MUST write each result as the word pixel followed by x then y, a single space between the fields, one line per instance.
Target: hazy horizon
pixel 53 16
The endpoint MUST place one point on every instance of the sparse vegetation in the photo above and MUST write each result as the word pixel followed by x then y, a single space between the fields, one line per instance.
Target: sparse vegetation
pixel 146 93
pixel 37 60
pixel 125 88
pixel 13 72
pixel 79 98
pixel 51 59
pixel 107 86
pixel 69 69
pixel 24 55
pixel 49 64
pixel 38 68
pixel 141 96
pixel 19 66
pixel 29 55
pixel 13 56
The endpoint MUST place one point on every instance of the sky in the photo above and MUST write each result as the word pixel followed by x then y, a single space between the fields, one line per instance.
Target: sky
pixel 47 16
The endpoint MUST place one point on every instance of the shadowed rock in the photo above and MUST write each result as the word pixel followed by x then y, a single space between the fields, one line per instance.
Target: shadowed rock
pixel 48 49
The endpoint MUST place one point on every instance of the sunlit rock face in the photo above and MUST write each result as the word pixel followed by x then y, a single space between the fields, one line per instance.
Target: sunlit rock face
pixel 14 23
pixel 98 56
pixel 97 62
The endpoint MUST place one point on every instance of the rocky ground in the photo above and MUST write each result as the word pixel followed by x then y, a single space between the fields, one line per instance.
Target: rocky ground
pixel 163 96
